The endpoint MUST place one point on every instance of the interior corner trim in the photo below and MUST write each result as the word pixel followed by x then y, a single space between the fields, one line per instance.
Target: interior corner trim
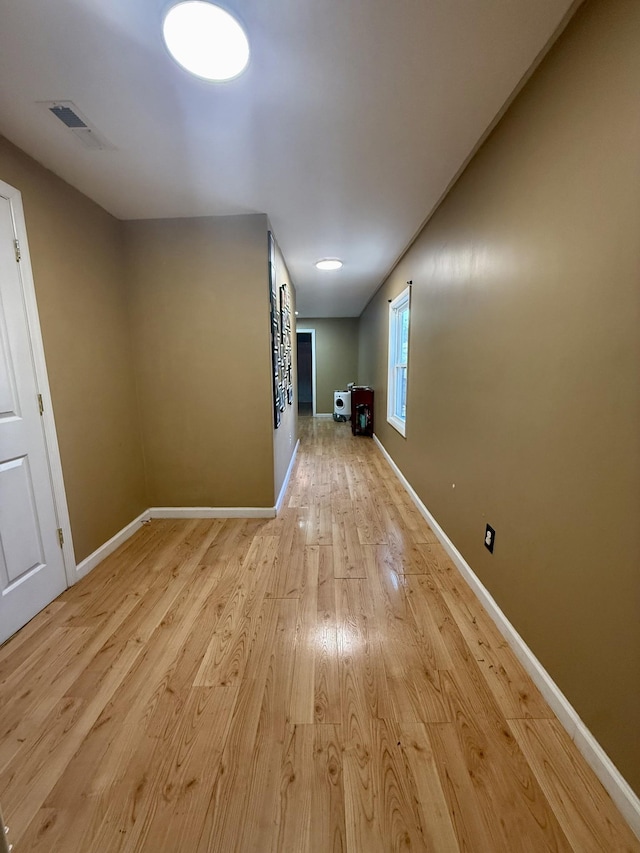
pixel 85 566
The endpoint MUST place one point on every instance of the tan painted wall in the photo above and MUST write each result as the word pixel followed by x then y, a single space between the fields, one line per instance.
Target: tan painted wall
pixel 193 297
pixel 336 356
pixel 286 436
pixel 200 310
pixel 77 258
pixel 524 383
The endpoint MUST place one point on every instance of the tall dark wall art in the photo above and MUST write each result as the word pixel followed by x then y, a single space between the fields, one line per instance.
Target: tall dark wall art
pixel 280 307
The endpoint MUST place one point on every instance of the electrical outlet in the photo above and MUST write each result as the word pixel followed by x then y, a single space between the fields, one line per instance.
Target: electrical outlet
pixel 489 538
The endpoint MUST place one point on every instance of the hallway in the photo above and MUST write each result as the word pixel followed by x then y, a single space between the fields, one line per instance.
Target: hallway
pixel 319 682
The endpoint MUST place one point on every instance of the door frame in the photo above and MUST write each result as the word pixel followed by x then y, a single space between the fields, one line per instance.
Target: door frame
pixel 52 448
pixel 312 332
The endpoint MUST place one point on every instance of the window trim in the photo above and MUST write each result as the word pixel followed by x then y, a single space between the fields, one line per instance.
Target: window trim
pixel 396 306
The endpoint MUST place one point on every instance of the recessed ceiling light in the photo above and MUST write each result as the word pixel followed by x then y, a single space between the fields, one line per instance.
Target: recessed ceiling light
pixel 206 40
pixel 329 264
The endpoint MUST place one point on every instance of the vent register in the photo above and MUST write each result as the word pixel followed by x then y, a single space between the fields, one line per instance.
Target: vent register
pixel 78 124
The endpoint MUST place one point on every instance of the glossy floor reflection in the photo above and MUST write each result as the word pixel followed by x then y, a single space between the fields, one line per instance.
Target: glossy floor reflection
pixel 323 681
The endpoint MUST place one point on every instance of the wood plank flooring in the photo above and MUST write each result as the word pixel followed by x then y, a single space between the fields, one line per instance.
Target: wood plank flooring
pixel 320 682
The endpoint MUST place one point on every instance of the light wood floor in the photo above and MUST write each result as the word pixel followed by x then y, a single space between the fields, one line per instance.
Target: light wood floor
pixel 320 682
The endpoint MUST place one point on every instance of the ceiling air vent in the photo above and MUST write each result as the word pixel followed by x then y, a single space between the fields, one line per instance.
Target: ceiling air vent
pixel 78 124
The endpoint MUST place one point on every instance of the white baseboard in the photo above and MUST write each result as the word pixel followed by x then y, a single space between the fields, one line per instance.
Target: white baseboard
pixel 323 415
pixel 212 512
pixel 606 771
pixel 287 477
pixel 84 567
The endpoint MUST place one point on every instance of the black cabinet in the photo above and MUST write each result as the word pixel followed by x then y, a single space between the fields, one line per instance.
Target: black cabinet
pixel 362 410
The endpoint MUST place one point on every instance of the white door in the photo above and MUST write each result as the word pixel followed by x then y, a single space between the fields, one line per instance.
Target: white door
pixel 31 561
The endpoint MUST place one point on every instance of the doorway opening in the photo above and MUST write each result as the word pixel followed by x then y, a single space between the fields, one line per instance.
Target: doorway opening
pixel 306 352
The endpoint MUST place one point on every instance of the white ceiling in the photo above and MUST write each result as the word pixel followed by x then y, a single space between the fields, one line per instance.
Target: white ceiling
pixel 352 119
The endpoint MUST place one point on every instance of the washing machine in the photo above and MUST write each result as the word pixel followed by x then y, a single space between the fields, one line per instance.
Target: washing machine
pixel 341 405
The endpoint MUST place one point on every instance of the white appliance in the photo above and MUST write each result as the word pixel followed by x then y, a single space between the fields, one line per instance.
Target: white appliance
pixel 342 405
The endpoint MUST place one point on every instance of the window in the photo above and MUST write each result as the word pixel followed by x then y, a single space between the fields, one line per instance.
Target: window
pixel 398 360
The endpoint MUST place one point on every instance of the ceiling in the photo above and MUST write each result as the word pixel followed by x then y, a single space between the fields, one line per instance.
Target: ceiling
pixel 349 124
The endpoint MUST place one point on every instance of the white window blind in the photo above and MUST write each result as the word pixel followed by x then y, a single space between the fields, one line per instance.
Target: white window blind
pixel 398 361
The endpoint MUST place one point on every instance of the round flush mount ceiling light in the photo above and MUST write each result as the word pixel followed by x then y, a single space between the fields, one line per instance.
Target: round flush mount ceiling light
pixel 206 40
pixel 329 264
